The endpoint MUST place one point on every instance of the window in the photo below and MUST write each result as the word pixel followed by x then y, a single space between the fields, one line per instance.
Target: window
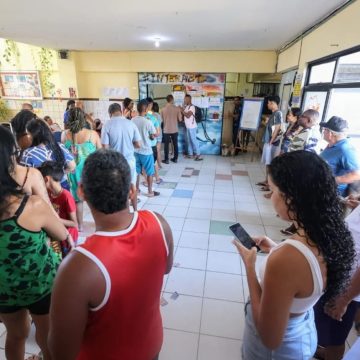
pixel 345 103
pixel 315 100
pixel 322 73
pixel 348 70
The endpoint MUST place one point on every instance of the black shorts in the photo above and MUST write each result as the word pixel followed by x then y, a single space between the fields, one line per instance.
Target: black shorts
pixel 332 332
pixel 154 149
pixel 41 307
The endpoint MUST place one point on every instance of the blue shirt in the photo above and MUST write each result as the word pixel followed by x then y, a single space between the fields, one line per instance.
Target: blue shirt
pixel 146 128
pixel 35 156
pixel 342 159
pixel 120 133
pixel 156 124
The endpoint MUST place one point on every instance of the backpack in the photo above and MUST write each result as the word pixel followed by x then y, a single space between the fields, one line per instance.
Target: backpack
pixel 198 114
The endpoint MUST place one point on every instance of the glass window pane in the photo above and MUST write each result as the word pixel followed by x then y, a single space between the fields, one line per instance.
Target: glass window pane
pixel 322 73
pixel 315 100
pixel 348 69
pixel 345 103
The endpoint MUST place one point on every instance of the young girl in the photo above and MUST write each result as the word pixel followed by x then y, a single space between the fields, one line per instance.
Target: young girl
pixel 315 261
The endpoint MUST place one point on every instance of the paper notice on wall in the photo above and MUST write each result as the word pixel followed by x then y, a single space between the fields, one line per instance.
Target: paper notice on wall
pixel 115 92
pixel 178 97
pixel 296 97
pixel 214 101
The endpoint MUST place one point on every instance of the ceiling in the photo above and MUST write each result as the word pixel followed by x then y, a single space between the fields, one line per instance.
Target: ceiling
pixel 181 25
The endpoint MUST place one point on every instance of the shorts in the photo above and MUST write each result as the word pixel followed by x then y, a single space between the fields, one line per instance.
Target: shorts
pixel 41 307
pixel 154 149
pixel 299 340
pixel 269 153
pixel 132 165
pixel 145 162
pixel 332 332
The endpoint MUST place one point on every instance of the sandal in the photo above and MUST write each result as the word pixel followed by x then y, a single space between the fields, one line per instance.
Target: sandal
pixel 154 193
pixel 268 195
pixel 198 158
pixel 160 181
pixel 265 188
pixel 262 183
pixel 288 231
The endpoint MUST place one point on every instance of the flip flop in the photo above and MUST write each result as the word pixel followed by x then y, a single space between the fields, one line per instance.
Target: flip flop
pixel 268 196
pixel 262 183
pixel 265 188
pixel 155 193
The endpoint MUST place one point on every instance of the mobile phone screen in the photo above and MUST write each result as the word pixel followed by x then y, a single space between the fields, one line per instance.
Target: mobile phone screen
pixel 242 235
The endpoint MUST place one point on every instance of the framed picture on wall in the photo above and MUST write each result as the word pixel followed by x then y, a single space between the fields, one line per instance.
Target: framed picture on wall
pixel 20 85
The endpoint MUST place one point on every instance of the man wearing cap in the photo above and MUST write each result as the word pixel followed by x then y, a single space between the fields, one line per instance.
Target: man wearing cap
pixel 340 153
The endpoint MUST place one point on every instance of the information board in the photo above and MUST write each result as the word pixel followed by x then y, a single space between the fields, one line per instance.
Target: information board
pixel 251 113
pixel 20 85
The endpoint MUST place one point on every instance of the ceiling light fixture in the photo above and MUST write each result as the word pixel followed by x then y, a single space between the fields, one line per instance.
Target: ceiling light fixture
pixel 157 42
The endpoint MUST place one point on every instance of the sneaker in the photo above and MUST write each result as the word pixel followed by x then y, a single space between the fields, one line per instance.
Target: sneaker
pixel 174 160
pixel 165 161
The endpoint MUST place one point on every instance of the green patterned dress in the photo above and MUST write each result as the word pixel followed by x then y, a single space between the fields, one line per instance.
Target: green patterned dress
pixel 27 264
pixel 80 153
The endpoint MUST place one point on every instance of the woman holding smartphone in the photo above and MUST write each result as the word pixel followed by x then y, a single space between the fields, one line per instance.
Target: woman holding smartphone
pixel 315 261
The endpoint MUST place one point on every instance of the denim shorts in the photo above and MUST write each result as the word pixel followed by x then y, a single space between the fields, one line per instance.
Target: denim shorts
pixel 299 342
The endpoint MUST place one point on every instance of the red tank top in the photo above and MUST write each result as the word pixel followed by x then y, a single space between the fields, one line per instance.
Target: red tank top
pixel 127 324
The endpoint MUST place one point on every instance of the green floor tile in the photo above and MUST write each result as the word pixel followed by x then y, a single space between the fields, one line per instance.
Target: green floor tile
pixel 168 185
pixel 220 227
pixel 162 172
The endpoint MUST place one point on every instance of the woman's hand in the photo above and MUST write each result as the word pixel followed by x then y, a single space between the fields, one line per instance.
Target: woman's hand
pixel 352 201
pixel 264 243
pixel 248 256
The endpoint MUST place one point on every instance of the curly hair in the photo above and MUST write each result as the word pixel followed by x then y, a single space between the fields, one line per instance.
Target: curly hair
pixel 106 181
pixel 76 120
pixel 20 121
pixel 310 192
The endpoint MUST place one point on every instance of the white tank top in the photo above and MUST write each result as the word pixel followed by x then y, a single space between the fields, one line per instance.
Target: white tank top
pixel 301 305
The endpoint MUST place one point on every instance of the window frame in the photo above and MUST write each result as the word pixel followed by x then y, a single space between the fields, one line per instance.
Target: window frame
pixel 329 85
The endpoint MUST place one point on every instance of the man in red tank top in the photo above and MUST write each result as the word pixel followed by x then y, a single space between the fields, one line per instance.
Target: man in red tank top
pixel 106 297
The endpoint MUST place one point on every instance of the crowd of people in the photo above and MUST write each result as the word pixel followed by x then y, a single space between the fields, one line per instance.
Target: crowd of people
pixel 101 298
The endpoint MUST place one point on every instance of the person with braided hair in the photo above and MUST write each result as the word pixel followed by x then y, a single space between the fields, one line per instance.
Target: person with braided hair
pixel 81 142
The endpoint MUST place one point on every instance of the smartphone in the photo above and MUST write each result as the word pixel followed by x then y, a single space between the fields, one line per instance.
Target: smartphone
pixel 243 236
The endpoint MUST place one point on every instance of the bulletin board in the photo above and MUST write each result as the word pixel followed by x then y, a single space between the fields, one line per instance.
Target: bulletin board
pixel 20 85
pixel 251 113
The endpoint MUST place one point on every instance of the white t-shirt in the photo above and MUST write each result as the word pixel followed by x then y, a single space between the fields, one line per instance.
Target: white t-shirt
pixel 353 222
pixel 190 122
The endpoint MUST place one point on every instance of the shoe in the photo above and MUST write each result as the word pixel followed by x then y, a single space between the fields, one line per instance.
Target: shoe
pixel 165 161
pixel 198 158
pixel 245 150
pixel 174 160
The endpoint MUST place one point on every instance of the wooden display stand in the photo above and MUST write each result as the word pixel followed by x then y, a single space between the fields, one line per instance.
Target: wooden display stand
pixel 252 148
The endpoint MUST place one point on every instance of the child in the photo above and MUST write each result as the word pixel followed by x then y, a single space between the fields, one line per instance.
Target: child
pixel 61 199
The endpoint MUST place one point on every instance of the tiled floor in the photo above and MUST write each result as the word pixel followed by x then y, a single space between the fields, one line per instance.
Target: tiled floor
pixel 200 200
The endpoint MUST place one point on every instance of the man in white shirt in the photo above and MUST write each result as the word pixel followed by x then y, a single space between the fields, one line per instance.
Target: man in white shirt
pixel 191 128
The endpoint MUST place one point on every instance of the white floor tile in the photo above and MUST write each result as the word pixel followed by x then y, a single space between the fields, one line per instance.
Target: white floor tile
pixel 221 243
pixel 2 354
pixel 223 196
pixel 250 208
pixel 273 232
pixel 224 262
pixel 158 208
pixel 273 220
pixel 225 189
pixel 158 200
pixel 201 203
pixel 215 348
pixel 198 194
pixel 186 282
pixel 245 217
pixel 196 225
pixel 179 345
pixel 191 258
pixel 176 211
pixel 254 230
pixel 175 223
pixel 225 205
pixel 184 313
pixel 224 286
pixel 194 240
pixel 197 213
pixel 176 236
pixel 223 215
pixel 179 202
pixel 222 318
pixel 185 186
pixel 206 188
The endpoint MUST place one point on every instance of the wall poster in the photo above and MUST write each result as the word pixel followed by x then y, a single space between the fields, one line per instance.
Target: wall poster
pixel 207 92
pixel 20 85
